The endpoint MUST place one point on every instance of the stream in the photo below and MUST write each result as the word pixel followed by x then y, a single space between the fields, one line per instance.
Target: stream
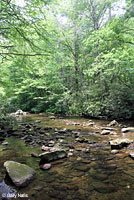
pixel 90 172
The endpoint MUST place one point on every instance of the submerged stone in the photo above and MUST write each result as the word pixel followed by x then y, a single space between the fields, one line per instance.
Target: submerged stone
pixel 83 167
pixel 20 174
pixel 120 143
pixel 99 176
pixel 35 155
pixel 79 158
pixel 46 166
pixel 104 188
pixel 109 166
pixel 52 156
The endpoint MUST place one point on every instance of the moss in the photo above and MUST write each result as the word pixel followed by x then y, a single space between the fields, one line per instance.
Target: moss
pixel 19 173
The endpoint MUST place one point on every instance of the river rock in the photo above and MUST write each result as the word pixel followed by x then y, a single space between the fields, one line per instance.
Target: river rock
pixel 5 143
pixel 70 154
pixel 109 166
pixel 105 132
pixel 91 124
pixel 131 146
pixel 51 143
pixel 20 174
pixel 45 148
pixel 129 129
pixel 46 166
pixel 75 123
pixel 52 117
pixel 80 139
pixel 113 123
pixel 104 188
pixel 38 121
pixel 131 154
pixel 20 112
pixel 75 134
pixel 108 128
pixel 64 130
pixel 35 155
pixel 114 151
pixel 119 143
pixel 79 159
pixel 52 156
pixel 113 133
pixel 83 167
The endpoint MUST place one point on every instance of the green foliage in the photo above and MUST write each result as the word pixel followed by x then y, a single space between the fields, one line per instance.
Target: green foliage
pixel 73 58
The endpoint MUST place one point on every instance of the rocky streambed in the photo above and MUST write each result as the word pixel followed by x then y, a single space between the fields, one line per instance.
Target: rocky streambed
pixel 72 158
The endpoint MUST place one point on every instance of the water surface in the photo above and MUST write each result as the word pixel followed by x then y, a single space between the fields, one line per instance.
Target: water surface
pixel 91 173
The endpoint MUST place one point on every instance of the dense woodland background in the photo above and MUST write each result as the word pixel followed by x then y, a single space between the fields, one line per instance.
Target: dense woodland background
pixel 68 57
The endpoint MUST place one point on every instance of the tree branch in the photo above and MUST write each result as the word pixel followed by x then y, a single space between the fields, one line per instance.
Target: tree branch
pixel 68 45
pixel 21 54
pixel 6 46
pixel 4 28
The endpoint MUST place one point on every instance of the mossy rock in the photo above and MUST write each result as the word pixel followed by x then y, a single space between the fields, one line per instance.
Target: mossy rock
pixel 52 156
pixel 20 174
pixel 52 117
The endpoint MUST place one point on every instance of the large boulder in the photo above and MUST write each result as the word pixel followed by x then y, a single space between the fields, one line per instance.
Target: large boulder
pixel 18 113
pixel 20 174
pixel 52 156
pixel 120 143
pixel 129 129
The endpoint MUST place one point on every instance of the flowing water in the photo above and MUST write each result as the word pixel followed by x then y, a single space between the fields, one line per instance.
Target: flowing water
pixel 92 172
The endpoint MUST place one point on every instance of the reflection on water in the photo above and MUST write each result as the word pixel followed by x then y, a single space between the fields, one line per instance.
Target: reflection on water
pixel 6 192
pixel 91 173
